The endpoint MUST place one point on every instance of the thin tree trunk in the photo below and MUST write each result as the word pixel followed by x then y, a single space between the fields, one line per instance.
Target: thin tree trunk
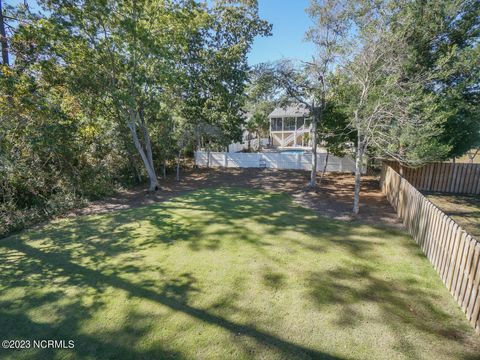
pixel 150 170
pixel 165 168
pixel 471 157
pixel 313 173
pixel 3 38
pixel 136 170
pixel 358 174
pixel 178 166
pixel 148 143
pixel 208 157
pixel 197 145
pixel 324 168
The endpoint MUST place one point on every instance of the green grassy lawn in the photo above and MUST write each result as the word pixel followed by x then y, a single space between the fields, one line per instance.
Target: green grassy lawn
pixel 464 209
pixel 226 274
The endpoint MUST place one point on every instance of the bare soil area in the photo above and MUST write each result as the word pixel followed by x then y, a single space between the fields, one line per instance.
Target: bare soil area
pixel 333 199
pixel 464 209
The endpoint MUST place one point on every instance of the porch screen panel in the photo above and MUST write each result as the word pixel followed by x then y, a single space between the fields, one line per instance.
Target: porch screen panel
pixel 276 124
pixel 300 122
pixel 289 124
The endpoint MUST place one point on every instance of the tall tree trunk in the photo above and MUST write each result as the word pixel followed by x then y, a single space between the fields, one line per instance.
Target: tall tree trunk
pixel 313 173
pixel 324 169
pixel 178 165
pixel 208 156
pixel 358 173
pixel 197 144
pixel 148 166
pixel 147 142
pixel 3 38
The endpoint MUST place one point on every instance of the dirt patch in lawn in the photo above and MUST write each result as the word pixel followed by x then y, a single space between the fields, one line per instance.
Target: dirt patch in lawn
pixel 464 209
pixel 333 198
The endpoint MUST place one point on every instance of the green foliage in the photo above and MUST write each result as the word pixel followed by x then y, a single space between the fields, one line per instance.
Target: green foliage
pixel 260 101
pixel 51 155
pixel 217 71
pixel 97 87
pixel 334 132
pixel 443 40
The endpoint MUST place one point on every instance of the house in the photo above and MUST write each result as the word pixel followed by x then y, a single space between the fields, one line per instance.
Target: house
pixel 290 126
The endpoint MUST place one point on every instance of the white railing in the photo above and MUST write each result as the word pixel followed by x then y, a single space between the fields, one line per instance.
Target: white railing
pixel 291 138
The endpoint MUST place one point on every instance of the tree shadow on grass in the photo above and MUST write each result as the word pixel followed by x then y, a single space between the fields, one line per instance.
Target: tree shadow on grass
pixel 20 326
pixel 173 295
pixel 94 254
pixel 403 303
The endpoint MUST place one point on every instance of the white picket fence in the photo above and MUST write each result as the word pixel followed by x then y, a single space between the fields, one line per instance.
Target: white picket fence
pixel 274 161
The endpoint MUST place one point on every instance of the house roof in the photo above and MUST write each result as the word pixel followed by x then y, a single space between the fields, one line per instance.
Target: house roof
pixel 290 110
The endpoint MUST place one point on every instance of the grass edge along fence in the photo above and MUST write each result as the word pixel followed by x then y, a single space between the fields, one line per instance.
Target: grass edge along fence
pixel 453 252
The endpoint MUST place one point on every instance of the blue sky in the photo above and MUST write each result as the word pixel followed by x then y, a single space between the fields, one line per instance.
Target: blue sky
pixel 290 22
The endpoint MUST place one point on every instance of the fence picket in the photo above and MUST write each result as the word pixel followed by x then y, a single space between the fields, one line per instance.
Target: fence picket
pixel 471 290
pixel 454 253
pixel 460 258
pixel 454 257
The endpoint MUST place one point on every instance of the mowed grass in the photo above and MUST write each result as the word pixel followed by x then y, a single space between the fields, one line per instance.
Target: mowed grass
pixel 226 274
pixel 464 209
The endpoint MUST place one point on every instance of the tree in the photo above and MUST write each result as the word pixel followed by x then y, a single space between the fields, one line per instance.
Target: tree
pixel 91 96
pixel 300 85
pixel 183 136
pixel 124 54
pixel 442 39
pixel 3 38
pixel 287 83
pixel 384 110
pixel 308 84
pixel 328 34
pixel 261 100
pixel 214 91
pixel 259 124
pixel 334 133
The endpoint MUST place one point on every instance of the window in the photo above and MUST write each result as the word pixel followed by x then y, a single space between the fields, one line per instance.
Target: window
pixel 289 124
pixel 300 122
pixel 276 124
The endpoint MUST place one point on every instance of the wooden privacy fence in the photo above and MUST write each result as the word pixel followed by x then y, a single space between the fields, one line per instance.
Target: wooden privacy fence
pixel 443 177
pixel 453 252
